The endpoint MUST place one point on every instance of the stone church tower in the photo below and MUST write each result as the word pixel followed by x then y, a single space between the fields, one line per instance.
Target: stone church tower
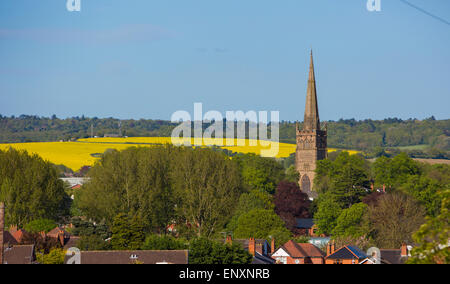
pixel 311 140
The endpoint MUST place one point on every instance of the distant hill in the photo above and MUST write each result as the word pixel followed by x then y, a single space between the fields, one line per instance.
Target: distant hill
pixel 429 138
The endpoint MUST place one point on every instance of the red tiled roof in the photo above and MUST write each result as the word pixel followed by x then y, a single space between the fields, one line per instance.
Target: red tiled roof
pixel 18 235
pixel 55 232
pixel 300 250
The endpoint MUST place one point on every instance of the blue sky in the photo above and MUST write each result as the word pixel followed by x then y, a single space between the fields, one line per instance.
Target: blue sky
pixel 150 58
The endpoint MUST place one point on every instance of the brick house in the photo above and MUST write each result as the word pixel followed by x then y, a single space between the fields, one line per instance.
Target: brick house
pixel 10 251
pixel 298 253
pixel 395 256
pixel 307 227
pixel 391 256
pixel 345 255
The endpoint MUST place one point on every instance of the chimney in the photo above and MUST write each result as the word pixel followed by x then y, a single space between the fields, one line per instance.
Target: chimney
pixel 329 248
pixel 61 237
pixel 259 248
pixel 371 187
pixel 404 250
pixel 2 228
pixel 251 246
pixel 384 188
pixel 229 240
pixel 272 246
pixel 333 247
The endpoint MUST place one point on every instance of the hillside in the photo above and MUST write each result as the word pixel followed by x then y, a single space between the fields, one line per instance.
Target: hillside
pixel 428 138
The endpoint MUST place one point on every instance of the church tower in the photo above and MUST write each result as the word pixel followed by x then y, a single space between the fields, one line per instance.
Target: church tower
pixel 311 139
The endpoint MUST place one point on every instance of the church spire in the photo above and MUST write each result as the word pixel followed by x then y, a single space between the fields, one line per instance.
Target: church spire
pixel 311 121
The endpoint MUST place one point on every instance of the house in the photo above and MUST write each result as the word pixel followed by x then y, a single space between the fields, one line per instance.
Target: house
pixel 133 257
pixel 64 238
pixel 396 256
pixel 10 251
pixel 60 234
pixel 307 227
pixel 345 255
pixel 19 254
pixel 391 256
pixel 259 248
pixel 299 253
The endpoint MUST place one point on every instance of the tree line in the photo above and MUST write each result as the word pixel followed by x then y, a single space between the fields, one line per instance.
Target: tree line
pixel 429 138
pixel 168 197
pixel 383 203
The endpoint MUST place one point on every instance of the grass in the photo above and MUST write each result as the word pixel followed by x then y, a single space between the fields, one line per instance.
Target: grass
pixel 413 147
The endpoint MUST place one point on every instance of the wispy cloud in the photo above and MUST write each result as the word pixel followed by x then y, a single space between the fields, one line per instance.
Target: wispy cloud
pixel 129 33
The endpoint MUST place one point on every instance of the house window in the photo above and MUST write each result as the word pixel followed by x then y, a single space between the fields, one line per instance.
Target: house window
pixel 338 261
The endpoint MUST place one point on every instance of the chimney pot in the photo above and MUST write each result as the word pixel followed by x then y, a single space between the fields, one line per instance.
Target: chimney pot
pixel 229 240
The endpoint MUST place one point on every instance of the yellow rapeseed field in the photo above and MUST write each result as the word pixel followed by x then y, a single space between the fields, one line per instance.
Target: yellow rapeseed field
pixel 77 154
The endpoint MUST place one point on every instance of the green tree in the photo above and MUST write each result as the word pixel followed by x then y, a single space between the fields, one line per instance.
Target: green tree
pixel 208 185
pixel 126 234
pixel 353 222
pixel 394 218
pixel 424 190
pixel 205 251
pixel 254 199
pixel 347 177
pixel 394 172
pixel 292 175
pixel 164 242
pixel 92 243
pixel 432 237
pixel 40 225
pixel 262 224
pixel 164 184
pixel 55 256
pixel 260 173
pixel 30 188
pixel 327 214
